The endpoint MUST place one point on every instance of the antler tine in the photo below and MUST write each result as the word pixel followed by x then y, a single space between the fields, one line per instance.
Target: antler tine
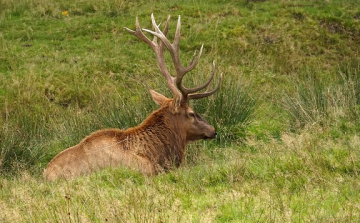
pixel 177 33
pixel 193 62
pixel 157 48
pixel 173 48
pixel 191 66
pixel 166 29
pixel 175 83
pixel 206 93
pixel 174 51
pixel 158 33
pixel 139 34
pixel 206 84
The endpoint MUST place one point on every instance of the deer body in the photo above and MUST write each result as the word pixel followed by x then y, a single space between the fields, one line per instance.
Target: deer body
pixel 150 148
pixel 158 144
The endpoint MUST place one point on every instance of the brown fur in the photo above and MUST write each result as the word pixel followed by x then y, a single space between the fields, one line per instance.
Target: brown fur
pixel 156 145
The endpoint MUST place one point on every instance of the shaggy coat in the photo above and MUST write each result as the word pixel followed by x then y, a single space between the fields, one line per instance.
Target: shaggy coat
pixel 157 145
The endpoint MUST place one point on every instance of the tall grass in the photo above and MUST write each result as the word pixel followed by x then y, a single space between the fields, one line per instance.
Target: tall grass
pixel 230 110
pixel 350 80
pixel 316 101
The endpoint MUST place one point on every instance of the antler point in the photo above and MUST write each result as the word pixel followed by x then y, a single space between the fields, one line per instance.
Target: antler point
pixel 174 83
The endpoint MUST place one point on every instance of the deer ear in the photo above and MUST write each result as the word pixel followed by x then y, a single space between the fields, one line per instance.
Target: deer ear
pixel 157 97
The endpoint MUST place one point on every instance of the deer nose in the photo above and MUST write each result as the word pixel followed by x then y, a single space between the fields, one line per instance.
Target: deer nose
pixel 214 135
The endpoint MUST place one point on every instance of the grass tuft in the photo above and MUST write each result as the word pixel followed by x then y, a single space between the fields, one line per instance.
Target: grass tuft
pixel 230 110
pixel 317 102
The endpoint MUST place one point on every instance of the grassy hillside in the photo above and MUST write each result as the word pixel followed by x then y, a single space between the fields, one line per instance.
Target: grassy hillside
pixel 287 112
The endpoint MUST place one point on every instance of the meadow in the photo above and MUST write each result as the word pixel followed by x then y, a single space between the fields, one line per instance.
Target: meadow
pixel 287 113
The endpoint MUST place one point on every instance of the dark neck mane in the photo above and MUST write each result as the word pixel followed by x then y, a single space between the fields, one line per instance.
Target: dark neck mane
pixel 161 140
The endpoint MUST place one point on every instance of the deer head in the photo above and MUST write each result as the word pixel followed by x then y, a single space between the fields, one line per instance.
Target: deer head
pixel 186 118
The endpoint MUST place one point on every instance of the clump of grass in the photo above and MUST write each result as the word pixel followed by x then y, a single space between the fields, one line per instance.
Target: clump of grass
pixel 310 102
pixel 317 101
pixel 230 110
pixel 349 78
pixel 20 146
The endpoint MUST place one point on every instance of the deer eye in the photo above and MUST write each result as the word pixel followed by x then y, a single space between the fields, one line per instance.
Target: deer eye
pixel 192 114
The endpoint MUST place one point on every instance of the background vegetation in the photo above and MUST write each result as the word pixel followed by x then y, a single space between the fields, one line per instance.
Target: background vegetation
pixel 287 113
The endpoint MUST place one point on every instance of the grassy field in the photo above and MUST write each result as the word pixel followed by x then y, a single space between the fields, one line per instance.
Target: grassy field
pixel 287 113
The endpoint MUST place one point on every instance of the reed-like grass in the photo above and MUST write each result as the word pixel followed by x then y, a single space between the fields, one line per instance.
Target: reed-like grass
pixel 315 101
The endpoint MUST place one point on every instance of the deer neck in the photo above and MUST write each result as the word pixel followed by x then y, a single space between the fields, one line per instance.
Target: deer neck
pixel 164 144
pixel 162 122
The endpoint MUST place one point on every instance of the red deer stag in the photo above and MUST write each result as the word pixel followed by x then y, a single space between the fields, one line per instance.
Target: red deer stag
pixel 158 144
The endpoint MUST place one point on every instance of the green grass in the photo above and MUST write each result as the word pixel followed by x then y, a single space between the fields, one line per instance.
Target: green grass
pixel 287 112
pixel 325 103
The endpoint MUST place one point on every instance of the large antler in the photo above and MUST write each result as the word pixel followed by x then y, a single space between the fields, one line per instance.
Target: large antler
pixel 174 83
